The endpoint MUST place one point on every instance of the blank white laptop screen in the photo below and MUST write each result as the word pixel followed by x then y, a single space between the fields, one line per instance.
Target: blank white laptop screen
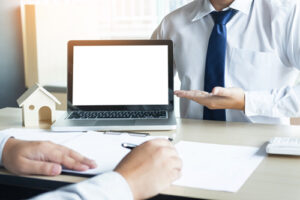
pixel 120 75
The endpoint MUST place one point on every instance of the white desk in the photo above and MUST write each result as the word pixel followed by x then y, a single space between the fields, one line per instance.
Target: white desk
pixel 276 178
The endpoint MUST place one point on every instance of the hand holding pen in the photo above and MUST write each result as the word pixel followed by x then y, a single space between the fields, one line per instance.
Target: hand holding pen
pixel 150 168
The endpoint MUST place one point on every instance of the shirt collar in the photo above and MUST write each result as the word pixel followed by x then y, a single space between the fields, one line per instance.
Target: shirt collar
pixel 205 8
pixel 242 5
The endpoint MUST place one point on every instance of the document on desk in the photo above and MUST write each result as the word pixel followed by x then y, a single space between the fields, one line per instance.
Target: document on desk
pixel 205 166
pixel 217 167
pixel 40 135
pixel 105 149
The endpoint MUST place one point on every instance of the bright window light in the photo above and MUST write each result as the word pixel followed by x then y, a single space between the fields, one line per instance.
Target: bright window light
pixel 48 25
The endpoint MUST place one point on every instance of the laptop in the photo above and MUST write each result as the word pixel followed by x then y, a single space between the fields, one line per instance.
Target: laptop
pixel 119 85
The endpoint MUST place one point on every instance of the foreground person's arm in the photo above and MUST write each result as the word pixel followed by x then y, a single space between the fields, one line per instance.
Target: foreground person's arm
pixel 143 173
pixel 108 186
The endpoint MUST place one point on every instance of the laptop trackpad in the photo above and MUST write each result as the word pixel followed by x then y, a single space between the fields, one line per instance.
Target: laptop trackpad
pixel 115 123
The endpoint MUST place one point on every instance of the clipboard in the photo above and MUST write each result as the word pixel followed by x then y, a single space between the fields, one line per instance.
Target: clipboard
pixel 103 147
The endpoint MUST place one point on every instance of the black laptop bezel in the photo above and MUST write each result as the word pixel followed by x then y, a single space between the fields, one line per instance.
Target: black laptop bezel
pixel 72 43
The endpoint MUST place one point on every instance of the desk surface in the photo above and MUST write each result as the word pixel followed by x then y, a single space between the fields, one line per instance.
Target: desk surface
pixel 277 177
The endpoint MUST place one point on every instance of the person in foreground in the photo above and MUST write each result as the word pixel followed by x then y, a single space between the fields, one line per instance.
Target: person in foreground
pixel 143 173
pixel 237 60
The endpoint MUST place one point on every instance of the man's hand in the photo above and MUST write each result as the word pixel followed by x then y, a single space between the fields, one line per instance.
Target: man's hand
pixel 220 98
pixel 41 158
pixel 150 168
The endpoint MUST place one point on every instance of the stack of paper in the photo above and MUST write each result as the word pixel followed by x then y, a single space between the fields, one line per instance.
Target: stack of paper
pixel 105 149
pixel 206 166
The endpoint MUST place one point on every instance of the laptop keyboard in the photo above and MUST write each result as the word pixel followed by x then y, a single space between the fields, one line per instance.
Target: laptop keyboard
pixel 118 115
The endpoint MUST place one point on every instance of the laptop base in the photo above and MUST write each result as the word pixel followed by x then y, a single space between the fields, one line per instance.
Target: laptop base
pixel 64 124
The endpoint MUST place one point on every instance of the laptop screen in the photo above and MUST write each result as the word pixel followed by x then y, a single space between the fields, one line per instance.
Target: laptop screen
pixel 120 75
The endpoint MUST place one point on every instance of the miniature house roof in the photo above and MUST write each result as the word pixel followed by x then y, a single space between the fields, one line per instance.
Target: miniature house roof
pixel 33 90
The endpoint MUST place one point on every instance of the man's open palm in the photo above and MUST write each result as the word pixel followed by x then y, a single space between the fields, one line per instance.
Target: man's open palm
pixel 219 98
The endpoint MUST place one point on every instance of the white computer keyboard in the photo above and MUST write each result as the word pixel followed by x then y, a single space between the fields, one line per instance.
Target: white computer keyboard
pixel 284 146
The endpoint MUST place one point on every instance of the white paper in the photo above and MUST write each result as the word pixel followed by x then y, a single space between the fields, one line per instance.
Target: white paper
pixel 206 166
pixel 41 135
pixel 217 167
pixel 105 149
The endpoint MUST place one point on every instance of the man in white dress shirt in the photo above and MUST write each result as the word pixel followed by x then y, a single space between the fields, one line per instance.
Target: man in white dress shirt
pixel 262 59
pixel 143 173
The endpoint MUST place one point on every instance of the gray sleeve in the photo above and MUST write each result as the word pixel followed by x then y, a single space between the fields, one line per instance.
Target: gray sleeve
pixel 108 186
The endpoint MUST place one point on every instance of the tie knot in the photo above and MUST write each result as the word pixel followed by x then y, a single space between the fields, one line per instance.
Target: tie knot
pixel 223 17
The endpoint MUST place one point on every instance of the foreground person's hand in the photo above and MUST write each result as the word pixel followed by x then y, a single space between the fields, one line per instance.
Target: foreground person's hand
pixel 41 158
pixel 150 168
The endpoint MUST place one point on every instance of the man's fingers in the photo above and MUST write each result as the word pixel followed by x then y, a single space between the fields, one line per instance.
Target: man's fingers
pixel 40 168
pixel 76 156
pixel 192 94
pixel 185 94
pixel 201 97
pixel 177 162
pixel 72 164
pixel 81 159
pixel 61 156
pixel 219 98
pixel 180 93
pixel 196 94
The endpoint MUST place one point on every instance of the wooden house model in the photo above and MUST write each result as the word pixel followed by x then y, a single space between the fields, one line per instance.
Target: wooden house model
pixel 38 105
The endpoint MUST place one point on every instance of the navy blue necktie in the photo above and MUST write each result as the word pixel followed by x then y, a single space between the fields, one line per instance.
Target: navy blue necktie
pixel 215 60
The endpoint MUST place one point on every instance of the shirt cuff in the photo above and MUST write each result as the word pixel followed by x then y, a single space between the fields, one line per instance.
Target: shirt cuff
pixel 3 140
pixel 112 181
pixel 259 103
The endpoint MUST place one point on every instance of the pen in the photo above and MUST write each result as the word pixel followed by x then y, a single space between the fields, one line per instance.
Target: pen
pixel 129 146
pixel 132 146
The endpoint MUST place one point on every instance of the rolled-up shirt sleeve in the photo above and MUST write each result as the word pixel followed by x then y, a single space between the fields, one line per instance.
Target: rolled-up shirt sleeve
pixel 108 186
pixel 284 102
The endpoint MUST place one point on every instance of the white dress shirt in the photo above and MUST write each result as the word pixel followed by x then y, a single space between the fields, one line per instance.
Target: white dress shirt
pixel 108 186
pixel 262 57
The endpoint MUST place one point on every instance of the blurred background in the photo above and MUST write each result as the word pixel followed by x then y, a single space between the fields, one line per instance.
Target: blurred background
pixel 34 36
pixel 11 53
pixel 48 26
